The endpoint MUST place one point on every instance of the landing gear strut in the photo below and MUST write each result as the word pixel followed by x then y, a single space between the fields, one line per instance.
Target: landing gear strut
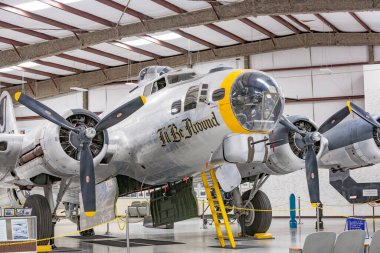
pixel 251 221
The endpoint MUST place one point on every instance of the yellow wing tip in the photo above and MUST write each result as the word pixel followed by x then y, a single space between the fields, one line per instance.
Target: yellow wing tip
pixel 90 214
pixel 143 99
pixel 349 105
pixel 17 96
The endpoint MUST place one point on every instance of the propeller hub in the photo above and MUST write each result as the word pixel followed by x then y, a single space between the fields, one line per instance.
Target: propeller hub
pixel 90 132
pixel 312 138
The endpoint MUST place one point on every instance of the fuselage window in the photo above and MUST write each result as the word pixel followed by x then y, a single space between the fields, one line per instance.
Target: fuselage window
pixel 176 107
pixel 191 98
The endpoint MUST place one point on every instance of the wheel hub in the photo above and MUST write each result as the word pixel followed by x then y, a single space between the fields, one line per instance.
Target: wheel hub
pixel 249 214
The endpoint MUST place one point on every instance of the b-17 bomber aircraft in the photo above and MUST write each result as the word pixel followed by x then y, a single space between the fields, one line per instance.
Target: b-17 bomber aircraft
pixel 173 125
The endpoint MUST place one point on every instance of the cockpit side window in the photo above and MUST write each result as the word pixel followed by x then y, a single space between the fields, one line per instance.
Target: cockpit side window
pixel 176 78
pixel 147 90
pixel 158 85
pixel 191 98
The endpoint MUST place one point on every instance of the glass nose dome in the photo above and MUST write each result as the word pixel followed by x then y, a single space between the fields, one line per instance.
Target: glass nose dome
pixel 257 101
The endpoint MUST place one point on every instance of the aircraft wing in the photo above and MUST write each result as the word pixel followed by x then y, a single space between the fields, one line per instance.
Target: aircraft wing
pixel 10 139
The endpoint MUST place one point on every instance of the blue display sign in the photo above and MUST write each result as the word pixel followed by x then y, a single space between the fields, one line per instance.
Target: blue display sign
pixel 356 224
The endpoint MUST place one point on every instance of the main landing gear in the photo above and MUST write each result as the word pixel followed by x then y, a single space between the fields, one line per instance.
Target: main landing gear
pixel 257 221
pixel 41 209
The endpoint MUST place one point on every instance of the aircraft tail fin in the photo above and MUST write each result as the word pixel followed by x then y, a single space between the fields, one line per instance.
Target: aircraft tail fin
pixel 7 115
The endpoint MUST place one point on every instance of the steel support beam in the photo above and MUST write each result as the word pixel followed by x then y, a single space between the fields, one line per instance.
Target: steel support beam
pixel 47 88
pixel 371 54
pixel 232 11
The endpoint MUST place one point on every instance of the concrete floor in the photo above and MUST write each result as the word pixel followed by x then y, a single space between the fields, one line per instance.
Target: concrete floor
pixel 197 239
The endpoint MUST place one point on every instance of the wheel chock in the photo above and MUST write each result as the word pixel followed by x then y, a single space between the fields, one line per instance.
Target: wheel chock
pixel 263 236
pixel 44 248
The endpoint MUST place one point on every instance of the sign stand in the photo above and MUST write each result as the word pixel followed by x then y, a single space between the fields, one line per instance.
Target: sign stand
pixel 127 230
pixel 373 205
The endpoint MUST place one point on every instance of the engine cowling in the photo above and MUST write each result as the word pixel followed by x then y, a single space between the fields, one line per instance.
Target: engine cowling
pixel 287 154
pixel 352 144
pixel 55 150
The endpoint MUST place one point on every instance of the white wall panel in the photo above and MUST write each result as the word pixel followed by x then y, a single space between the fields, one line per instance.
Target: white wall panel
pixel 262 61
pixel 372 88
pixel 339 82
pixel 337 55
pixel 377 53
pixel 286 59
pixel 97 99
pixel 107 97
pixel 294 83
pixel 299 109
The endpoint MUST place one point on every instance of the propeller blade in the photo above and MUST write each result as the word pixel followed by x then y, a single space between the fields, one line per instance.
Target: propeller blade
pixel 312 175
pixel 334 120
pixel 120 113
pixel 362 114
pixel 44 111
pixel 286 123
pixel 87 180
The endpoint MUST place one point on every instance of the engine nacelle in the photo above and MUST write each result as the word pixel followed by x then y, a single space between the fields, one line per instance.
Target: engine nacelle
pixel 55 149
pixel 288 155
pixel 351 144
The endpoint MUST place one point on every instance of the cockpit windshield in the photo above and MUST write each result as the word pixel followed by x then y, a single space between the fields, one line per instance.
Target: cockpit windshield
pixel 150 73
pixel 257 101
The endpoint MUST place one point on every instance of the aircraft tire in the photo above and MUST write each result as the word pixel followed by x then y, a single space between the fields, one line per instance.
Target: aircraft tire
pixel 41 209
pixel 258 221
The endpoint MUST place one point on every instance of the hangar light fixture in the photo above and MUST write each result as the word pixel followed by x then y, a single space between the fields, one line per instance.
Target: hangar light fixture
pixel 6 70
pixel 33 6
pixel 138 42
pixel 78 89
pixel 167 36
pixel 28 64
pixel 37 5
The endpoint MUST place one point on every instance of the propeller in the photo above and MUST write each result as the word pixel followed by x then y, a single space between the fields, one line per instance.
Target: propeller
pixel 311 165
pixel 85 136
pixel 310 138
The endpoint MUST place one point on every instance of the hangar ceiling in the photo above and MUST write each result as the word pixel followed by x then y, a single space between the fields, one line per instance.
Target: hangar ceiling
pixel 52 45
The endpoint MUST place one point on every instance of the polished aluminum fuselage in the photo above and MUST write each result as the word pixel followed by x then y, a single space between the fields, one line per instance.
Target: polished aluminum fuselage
pixel 148 149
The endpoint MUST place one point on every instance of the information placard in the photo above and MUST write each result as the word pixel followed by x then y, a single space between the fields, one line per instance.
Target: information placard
pixel 3 230
pixel 370 193
pixel 20 229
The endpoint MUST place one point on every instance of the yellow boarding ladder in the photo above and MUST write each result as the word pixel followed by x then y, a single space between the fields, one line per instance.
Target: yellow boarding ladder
pixel 213 184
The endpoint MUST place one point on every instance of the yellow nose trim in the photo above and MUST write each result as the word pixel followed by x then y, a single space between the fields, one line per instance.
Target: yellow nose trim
pixel 17 96
pixel 90 214
pixel 349 105
pixel 143 99
pixel 225 107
